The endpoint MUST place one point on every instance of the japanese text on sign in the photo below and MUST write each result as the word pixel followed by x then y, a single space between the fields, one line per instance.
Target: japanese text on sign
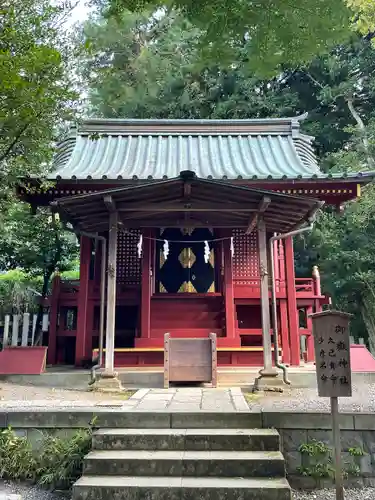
pixel 332 354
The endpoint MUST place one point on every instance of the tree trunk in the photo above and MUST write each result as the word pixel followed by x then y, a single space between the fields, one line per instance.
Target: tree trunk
pixel 362 128
pixel 49 270
pixel 368 315
pixel 38 336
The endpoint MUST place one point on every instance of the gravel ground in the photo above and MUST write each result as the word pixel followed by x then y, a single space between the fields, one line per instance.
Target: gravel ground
pixel 14 395
pixel 363 400
pixel 30 492
pixel 362 494
pixel 35 493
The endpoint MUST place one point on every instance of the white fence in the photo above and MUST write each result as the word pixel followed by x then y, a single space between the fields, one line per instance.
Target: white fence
pixel 19 329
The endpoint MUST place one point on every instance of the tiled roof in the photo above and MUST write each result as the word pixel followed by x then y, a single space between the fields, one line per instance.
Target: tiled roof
pixel 159 149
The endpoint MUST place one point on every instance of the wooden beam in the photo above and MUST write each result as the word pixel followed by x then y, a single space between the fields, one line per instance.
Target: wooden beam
pixel 182 208
pixel 109 203
pixel 180 223
pixel 187 190
pixel 253 222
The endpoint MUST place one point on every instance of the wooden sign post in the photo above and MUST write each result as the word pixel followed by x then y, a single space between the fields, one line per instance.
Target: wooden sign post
pixel 332 358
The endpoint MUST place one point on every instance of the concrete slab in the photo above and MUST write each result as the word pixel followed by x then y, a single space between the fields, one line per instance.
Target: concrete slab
pixel 191 399
pixel 203 463
pixel 140 394
pixel 143 377
pixel 180 488
pixel 216 420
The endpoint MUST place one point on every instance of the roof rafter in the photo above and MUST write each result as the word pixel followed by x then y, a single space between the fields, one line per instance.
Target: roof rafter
pixel 208 204
pixel 263 205
pixel 109 203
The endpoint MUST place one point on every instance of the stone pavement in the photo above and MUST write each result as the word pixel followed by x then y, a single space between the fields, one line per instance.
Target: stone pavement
pixel 192 399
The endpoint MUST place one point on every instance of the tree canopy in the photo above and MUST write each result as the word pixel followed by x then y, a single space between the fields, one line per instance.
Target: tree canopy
pixel 271 34
pixel 37 91
pixel 38 96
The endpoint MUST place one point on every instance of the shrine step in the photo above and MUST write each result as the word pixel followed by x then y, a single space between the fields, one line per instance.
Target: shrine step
pixel 185 463
pixel 177 488
pixel 187 439
pixel 209 463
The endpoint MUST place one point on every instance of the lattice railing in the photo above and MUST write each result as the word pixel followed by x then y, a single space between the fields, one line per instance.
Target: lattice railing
pixel 128 262
pixel 245 258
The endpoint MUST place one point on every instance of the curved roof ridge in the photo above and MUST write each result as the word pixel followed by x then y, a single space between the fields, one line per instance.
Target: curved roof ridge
pixel 195 121
pixel 270 148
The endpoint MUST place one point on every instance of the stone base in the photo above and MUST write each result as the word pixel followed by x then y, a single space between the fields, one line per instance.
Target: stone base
pixel 105 383
pixel 269 383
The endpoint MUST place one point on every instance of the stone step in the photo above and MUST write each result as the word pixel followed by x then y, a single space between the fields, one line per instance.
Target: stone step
pixel 177 488
pixel 187 439
pixel 146 419
pixel 185 463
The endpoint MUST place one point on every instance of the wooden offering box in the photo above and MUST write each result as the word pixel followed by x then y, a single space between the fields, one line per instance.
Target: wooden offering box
pixel 190 360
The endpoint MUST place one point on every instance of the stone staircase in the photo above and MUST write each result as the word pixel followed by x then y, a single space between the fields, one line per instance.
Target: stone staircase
pixel 183 464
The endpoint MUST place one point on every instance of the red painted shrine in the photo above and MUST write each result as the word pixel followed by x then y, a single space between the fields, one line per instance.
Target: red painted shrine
pixel 206 197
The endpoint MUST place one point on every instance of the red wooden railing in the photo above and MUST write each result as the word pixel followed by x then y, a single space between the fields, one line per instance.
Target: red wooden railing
pixel 305 285
pixel 252 286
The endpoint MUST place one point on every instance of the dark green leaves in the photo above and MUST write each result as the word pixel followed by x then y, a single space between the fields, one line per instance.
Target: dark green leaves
pixel 272 32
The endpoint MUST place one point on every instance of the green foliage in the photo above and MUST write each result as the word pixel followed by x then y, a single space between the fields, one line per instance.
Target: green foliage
pixel 17 460
pixel 145 67
pixel 57 464
pixel 318 470
pixel 73 273
pixel 36 242
pixel 17 291
pixel 313 448
pixel 36 88
pixel 356 452
pixel 364 18
pixel 61 459
pixel 37 97
pixel 346 260
pixel 270 34
pixel 353 467
pixel 319 463
pixel 33 245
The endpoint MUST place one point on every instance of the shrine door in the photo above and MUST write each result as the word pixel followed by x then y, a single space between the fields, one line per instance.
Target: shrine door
pixel 185 269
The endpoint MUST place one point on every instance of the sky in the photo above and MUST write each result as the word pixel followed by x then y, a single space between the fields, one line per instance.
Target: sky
pixel 80 12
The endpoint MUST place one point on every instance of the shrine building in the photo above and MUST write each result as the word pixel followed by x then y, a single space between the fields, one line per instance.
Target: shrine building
pixel 184 227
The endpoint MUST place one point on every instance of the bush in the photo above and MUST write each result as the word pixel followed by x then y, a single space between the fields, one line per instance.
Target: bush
pixel 57 464
pixel 62 458
pixel 17 460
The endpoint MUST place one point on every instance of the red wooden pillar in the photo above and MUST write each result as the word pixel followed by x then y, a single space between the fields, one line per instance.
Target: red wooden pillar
pixel 276 265
pixel 281 262
pixel 292 303
pixel 53 316
pixel 83 320
pixel 145 326
pixel 230 309
pixel 98 262
pixel 310 338
pixel 284 330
